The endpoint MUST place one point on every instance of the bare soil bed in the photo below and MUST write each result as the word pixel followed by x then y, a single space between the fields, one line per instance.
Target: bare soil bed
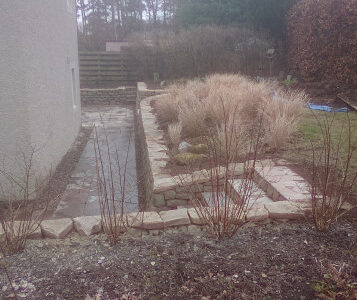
pixel 277 261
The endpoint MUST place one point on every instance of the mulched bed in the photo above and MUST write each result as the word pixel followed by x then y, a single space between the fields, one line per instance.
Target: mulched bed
pixel 277 261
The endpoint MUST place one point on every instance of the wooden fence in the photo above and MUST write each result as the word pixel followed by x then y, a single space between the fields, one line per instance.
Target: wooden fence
pixel 106 70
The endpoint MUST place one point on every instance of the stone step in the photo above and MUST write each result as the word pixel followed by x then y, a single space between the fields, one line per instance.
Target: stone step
pixel 258 196
pixel 255 211
pixel 281 183
pixel 212 198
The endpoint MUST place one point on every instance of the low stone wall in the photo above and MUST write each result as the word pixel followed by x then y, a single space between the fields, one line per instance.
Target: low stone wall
pixel 163 191
pixel 166 192
pixel 108 96
pixel 144 92
pixel 143 159
pixel 155 223
pixel 160 187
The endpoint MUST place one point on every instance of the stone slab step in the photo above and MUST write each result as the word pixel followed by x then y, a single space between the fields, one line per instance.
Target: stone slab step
pixel 212 199
pixel 281 183
pixel 288 210
pixel 149 220
pixel 176 217
pixel 257 213
pixel 258 196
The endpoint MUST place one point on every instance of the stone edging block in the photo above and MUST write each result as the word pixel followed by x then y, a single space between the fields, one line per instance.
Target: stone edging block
pixel 177 217
pixel 257 213
pixel 288 210
pixel 149 220
pixel 194 217
pixel 88 225
pixel 56 229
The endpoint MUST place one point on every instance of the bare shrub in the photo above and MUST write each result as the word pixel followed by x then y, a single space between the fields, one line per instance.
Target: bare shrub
pixel 198 51
pixel 225 210
pixel 337 283
pixel 328 51
pixel 174 132
pixel 113 184
pixel 21 193
pixel 7 273
pixel 333 178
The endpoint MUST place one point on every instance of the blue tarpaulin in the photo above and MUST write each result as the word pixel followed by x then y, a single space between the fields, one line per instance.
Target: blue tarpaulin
pixel 327 108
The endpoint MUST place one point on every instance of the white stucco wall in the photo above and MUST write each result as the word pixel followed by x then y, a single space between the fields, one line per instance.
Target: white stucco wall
pixel 39 105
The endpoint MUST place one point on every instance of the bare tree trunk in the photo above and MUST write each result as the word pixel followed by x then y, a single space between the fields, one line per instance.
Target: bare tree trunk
pixel 115 34
pixel 119 12
pixel 82 7
pixel 164 9
pixel 154 10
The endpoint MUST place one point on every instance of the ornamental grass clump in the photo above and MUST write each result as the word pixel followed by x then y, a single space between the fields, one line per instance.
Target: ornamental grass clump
pixel 174 133
pixel 197 105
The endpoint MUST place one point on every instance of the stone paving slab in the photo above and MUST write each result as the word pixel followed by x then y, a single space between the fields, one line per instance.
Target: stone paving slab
pixel 288 210
pixel 116 123
pixel 88 225
pixel 258 196
pixel 56 229
pixel 212 199
pixel 176 217
pixel 149 220
pixel 164 184
pixel 283 184
pixel 257 213
pixel 194 217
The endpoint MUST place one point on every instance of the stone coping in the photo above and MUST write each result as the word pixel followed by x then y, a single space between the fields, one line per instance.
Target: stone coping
pixel 155 141
pixel 143 88
pixel 163 220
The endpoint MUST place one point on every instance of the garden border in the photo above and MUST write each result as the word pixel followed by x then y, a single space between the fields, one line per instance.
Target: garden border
pixel 165 193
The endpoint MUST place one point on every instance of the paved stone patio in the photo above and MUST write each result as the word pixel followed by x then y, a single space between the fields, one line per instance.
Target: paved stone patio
pixel 81 197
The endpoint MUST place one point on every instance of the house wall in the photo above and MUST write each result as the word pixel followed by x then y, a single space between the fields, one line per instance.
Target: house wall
pixel 39 99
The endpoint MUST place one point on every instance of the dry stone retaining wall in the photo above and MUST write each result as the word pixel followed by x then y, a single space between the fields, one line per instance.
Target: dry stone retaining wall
pixel 161 189
pixel 108 96
pixel 166 192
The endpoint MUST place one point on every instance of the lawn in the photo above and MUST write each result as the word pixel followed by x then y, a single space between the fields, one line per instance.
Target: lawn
pixel 299 150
